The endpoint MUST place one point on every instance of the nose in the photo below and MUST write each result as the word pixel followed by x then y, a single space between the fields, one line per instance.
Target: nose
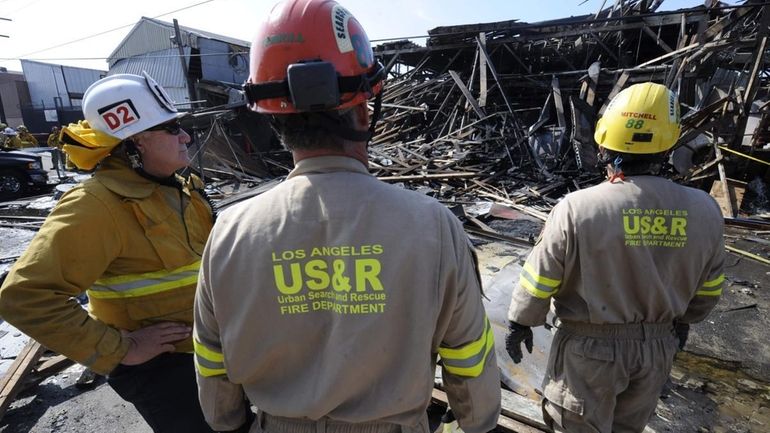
pixel 183 136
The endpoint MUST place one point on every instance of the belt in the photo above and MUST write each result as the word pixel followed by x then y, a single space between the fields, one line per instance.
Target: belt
pixel 620 331
pixel 278 424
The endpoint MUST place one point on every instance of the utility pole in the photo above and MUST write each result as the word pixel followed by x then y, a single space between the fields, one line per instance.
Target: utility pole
pixel 192 96
pixel 178 40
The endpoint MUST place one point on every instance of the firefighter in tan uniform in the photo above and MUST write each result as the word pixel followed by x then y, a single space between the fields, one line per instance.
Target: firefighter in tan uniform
pixel 327 300
pixel 628 264
pixel 131 237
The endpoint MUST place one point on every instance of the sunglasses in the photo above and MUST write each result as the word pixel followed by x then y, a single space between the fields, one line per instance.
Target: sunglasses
pixel 173 127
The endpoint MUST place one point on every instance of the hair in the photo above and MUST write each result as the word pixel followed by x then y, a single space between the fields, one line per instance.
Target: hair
pixel 633 163
pixel 310 131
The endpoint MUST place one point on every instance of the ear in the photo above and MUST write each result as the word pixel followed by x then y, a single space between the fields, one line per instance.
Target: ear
pixel 362 115
pixel 138 143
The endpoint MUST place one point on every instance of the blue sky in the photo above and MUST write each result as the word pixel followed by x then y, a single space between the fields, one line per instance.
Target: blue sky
pixel 38 25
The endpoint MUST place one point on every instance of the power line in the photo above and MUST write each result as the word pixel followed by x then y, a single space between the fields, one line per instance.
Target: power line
pixel 134 57
pixel 112 30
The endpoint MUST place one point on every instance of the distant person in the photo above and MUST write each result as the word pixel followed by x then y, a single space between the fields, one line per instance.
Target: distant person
pixel 628 264
pixel 11 139
pixel 328 300
pixel 131 237
pixel 27 139
pixel 57 156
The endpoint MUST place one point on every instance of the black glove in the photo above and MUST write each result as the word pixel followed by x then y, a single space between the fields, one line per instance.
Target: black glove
pixel 516 334
pixel 682 330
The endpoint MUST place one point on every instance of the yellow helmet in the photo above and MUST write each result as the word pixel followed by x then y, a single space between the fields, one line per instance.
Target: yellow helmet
pixel 642 119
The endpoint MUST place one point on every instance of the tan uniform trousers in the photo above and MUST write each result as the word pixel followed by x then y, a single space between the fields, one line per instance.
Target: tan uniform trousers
pixel 266 423
pixel 606 378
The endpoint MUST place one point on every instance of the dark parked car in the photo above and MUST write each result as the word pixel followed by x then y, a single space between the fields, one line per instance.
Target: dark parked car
pixel 20 173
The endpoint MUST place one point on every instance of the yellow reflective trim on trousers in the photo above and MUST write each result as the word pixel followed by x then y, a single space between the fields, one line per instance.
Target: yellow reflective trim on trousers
pixel 209 372
pixel 549 282
pixel 206 353
pixel 476 370
pixel 715 282
pixel 135 285
pixel 712 287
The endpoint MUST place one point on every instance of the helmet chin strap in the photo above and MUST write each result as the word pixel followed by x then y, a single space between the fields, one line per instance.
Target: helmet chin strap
pixel 135 159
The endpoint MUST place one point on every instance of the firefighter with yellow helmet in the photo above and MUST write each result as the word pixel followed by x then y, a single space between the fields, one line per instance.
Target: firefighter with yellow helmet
pixel 27 139
pixel 130 237
pixel 628 265
pixel 307 302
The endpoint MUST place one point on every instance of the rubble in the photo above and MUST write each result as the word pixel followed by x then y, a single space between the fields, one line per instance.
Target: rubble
pixel 496 120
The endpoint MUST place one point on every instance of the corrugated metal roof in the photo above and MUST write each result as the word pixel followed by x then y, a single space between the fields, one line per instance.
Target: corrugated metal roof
pixel 163 66
pixel 150 34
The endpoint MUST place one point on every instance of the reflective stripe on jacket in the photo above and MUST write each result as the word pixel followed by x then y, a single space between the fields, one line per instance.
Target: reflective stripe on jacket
pixel 124 239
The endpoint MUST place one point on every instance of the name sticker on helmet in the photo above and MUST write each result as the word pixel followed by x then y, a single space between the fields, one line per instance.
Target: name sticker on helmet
pixel 673 107
pixel 636 115
pixel 340 18
pixel 119 115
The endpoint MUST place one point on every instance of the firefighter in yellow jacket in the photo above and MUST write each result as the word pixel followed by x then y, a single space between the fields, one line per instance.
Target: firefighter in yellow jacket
pixel 328 299
pixel 27 139
pixel 130 237
pixel 11 139
pixel 628 264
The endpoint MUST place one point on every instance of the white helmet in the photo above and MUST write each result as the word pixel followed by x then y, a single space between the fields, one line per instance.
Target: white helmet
pixel 9 131
pixel 122 105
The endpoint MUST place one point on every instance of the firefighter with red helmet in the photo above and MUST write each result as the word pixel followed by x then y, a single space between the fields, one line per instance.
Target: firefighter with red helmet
pixel 628 265
pixel 328 301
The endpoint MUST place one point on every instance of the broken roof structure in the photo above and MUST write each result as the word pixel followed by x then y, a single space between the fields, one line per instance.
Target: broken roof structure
pixel 506 110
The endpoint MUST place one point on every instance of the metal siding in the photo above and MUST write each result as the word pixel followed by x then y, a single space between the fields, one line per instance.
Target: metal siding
pixel 215 62
pixel 45 82
pixel 154 35
pixel 146 36
pixel 79 79
pixel 163 66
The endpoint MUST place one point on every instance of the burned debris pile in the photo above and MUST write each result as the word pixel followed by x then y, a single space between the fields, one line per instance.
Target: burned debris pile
pixel 505 111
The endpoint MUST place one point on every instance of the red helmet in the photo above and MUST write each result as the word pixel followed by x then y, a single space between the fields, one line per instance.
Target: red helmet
pixel 311 55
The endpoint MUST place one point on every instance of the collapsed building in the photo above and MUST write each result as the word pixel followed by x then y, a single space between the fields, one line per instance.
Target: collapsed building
pixel 504 113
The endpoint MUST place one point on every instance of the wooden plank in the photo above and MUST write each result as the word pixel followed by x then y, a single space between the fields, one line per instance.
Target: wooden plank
pixel 12 381
pixel 558 102
pixel 523 409
pixel 428 176
pixel 504 421
pixel 728 194
pixel 467 94
pixel 657 38
pixel 482 71
pixel 615 90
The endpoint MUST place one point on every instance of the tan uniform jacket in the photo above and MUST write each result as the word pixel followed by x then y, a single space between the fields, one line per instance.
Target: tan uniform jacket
pixel 122 238
pixel 331 295
pixel 640 250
